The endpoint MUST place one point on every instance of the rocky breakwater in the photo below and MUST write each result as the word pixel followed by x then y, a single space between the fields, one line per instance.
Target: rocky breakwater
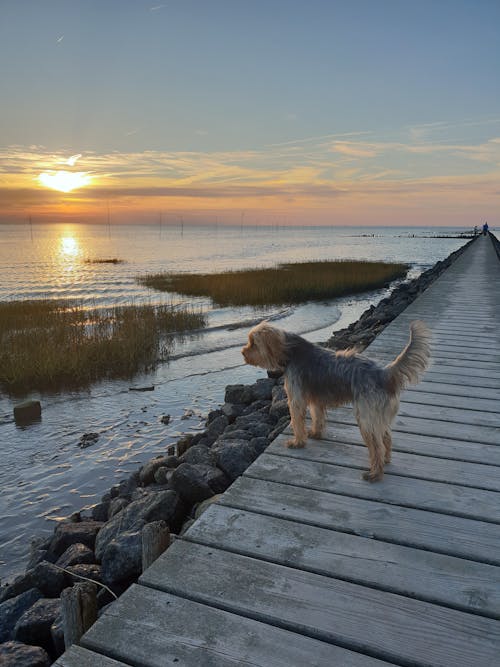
pixel 104 544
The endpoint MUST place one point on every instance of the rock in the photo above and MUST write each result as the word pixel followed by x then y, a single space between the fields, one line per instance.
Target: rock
pixel 49 579
pixel 198 454
pixel 232 410
pixel 27 411
pixel 11 611
pixel 279 409
pixel 184 443
pixel 212 415
pixel 165 419
pixel 190 483
pixel 34 625
pixel 260 444
pixel 147 472
pixel 100 511
pixel 239 393
pixel 152 506
pixel 122 558
pixel 67 534
pixel 263 388
pixel 16 654
pixel 74 573
pixel 233 456
pixel 21 584
pixel 57 634
pixel 163 475
pixel 117 505
pixel 75 554
pixel 215 429
pixel 38 551
pixel 88 439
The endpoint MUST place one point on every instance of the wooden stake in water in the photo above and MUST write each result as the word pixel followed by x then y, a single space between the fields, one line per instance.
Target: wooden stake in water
pixel 78 610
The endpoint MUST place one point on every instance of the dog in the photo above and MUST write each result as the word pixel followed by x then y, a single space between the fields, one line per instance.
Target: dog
pixel 320 378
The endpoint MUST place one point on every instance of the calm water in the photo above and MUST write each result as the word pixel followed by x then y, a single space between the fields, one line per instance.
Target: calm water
pixel 44 474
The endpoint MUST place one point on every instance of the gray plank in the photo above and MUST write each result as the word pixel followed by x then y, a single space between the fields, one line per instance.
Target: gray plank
pixel 384 624
pixel 458 415
pixel 404 491
pixel 150 628
pixel 443 400
pixel 488 435
pixel 462 473
pixel 76 656
pixel 430 386
pixel 455 376
pixel 446 534
pixel 424 575
pixel 427 445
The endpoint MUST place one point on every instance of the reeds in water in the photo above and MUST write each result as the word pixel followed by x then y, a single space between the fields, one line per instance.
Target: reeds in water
pixel 283 284
pixel 52 344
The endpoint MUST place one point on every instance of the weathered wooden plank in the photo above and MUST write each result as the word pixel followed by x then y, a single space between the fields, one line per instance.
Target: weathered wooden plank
pixel 386 625
pixel 455 376
pixel 454 582
pixel 420 425
pixel 459 415
pixel 430 398
pixel 150 628
pixel 416 443
pixel 428 386
pixel 475 475
pixel 446 534
pixel 76 656
pixel 394 490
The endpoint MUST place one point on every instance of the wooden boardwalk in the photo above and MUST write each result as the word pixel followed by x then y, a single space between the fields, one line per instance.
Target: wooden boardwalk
pixel 303 563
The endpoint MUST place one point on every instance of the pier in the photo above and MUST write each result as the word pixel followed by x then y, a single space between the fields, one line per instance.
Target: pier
pixel 303 563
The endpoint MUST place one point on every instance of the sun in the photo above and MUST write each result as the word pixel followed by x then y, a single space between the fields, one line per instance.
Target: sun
pixel 64 181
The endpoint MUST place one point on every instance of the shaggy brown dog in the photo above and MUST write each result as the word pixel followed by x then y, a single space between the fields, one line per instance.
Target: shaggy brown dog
pixel 319 378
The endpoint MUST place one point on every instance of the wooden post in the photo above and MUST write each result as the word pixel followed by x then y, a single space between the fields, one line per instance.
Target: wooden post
pixel 155 539
pixel 79 611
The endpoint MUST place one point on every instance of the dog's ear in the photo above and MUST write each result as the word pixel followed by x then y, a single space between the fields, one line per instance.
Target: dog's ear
pixel 270 343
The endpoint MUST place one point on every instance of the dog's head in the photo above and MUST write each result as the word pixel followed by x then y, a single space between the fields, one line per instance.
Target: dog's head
pixel 266 347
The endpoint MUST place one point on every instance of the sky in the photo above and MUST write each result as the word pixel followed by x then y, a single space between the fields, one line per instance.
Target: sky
pixel 320 112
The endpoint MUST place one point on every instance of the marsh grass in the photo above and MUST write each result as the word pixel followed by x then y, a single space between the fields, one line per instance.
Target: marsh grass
pixel 52 344
pixel 110 260
pixel 283 284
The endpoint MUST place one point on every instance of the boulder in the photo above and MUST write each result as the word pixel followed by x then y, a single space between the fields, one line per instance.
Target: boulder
pixel 11 611
pixel 74 573
pixel 27 411
pixel 152 506
pixel 34 625
pixel 239 393
pixel 198 454
pixel 190 482
pixel 16 654
pixel 234 456
pixel 122 558
pixel 49 579
pixel 67 534
pixel 76 553
pixel 147 472
pixel 202 507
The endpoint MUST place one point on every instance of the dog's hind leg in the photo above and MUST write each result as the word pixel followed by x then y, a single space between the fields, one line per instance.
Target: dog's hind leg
pixel 318 420
pixel 376 451
pixel 298 411
pixel 388 446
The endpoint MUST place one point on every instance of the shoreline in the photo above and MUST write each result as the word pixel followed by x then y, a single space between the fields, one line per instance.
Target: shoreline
pixel 104 543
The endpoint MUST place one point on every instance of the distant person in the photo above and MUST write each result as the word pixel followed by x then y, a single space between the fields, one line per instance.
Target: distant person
pixel 485 228
pixel 476 230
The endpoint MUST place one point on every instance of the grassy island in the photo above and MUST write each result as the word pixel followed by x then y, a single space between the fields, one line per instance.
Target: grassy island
pixel 283 284
pixel 51 344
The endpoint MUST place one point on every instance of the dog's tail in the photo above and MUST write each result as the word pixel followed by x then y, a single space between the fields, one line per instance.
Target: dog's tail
pixel 410 365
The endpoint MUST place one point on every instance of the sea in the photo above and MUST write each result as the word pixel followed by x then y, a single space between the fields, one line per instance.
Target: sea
pixel 45 475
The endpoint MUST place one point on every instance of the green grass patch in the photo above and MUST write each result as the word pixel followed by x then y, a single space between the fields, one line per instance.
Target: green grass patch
pixel 283 284
pixel 52 344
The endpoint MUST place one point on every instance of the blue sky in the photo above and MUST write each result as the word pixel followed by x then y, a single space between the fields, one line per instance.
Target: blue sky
pixel 283 105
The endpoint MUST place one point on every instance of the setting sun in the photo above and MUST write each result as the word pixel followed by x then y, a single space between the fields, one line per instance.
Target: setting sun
pixel 64 181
